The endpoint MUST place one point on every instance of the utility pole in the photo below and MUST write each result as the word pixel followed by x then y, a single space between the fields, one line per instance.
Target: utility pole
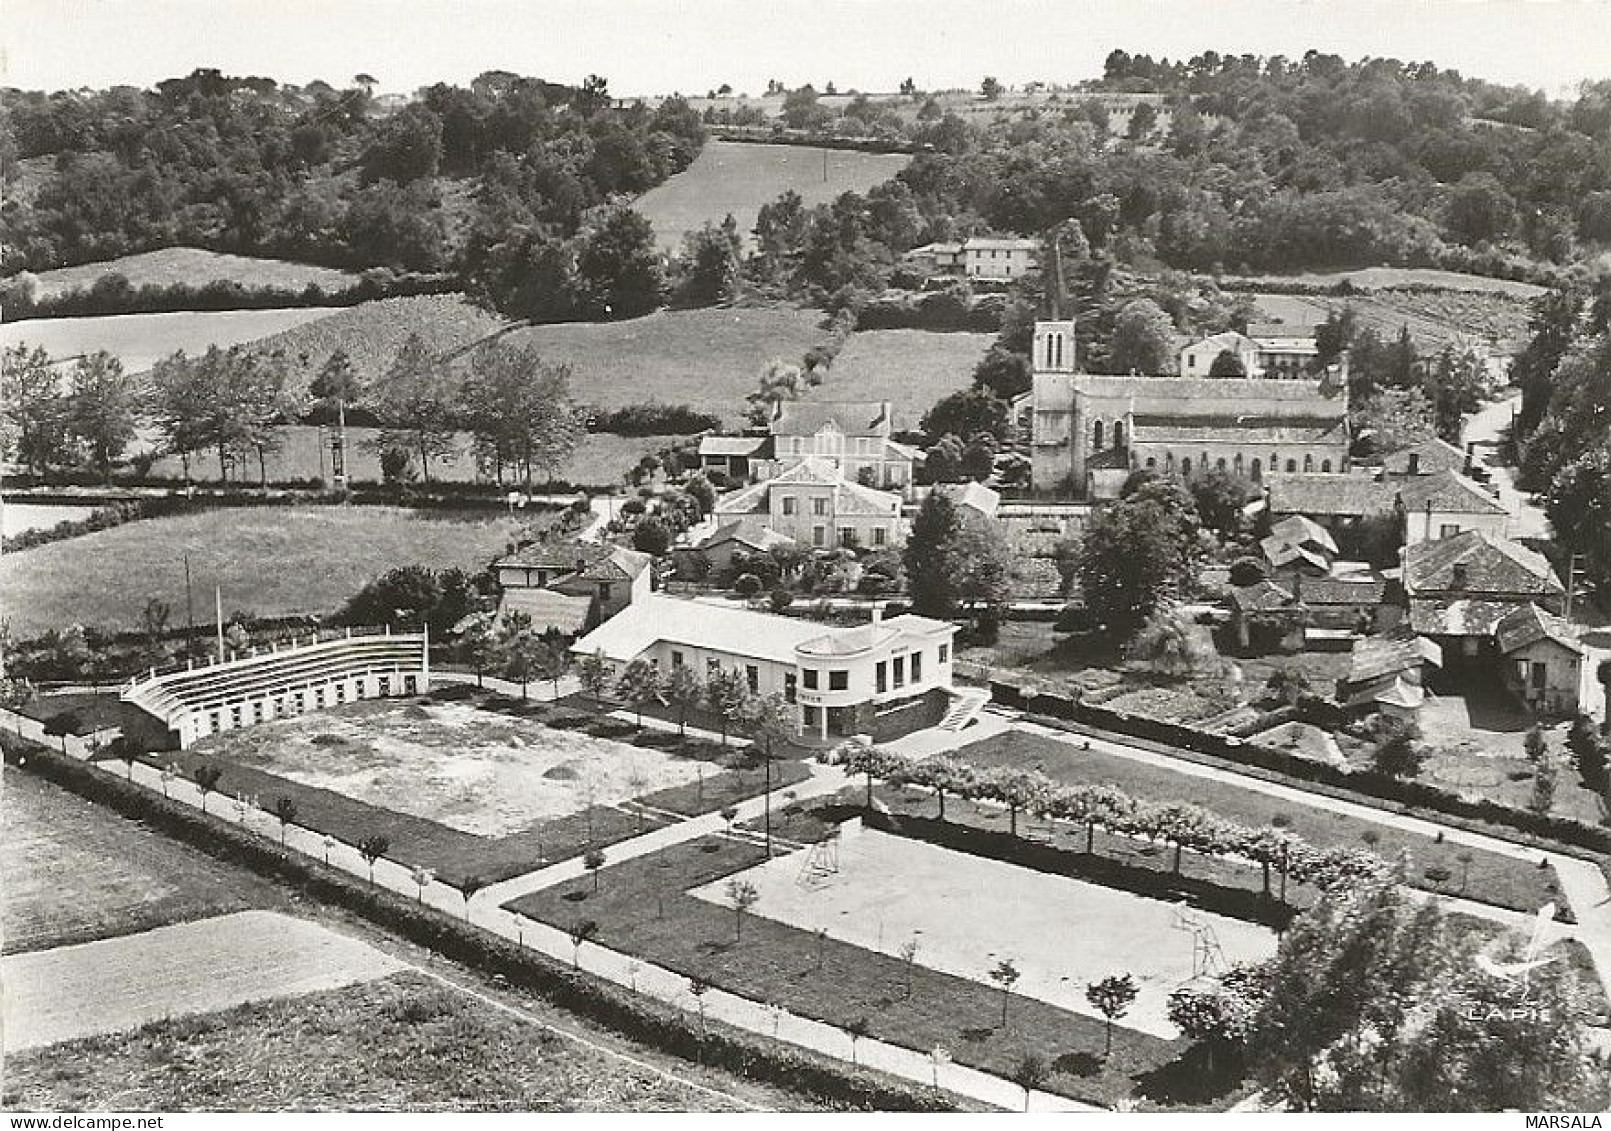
pixel 190 612
pixel 218 609
pixel 824 166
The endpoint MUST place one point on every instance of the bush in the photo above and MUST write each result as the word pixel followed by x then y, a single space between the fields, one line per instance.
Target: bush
pixel 1248 571
pixel 779 599
pixel 653 419
pixel 747 585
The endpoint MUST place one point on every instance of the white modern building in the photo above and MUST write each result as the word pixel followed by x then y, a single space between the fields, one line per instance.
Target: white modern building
pixel 882 679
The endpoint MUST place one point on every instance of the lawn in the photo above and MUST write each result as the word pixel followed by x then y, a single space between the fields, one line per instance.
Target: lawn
pixel 739 177
pixel 910 368
pixel 268 560
pixel 531 813
pixel 140 340
pixel 1472 873
pixel 194 267
pixel 645 907
pixel 403 1043
pixel 600 459
pixel 76 871
pixel 710 359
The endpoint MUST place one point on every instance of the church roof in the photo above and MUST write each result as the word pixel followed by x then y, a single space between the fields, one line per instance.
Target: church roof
pixel 1189 430
pixel 1191 392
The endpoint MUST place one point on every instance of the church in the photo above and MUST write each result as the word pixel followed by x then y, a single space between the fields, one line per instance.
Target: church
pixel 1090 431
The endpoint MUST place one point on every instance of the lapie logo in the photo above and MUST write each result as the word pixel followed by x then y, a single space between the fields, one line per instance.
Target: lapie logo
pixel 1516 975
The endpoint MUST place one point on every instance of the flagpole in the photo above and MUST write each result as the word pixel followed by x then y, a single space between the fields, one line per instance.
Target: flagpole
pixel 218 610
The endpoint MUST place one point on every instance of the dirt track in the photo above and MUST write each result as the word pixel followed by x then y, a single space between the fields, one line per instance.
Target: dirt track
pixel 117 984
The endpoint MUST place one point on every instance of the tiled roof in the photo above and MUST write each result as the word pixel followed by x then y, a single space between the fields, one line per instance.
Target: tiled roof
pixel 1208 391
pixel 1280 330
pixel 853 418
pixel 1229 340
pixel 972 494
pixel 988 243
pixel 1446 492
pixel 1342 591
pixel 744 532
pixel 1391 652
pixel 1299 529
pixel 734 445
pixel 1333 493
pixel 1487 565
pixel 849 498
pixel 1458 616
pixel 1402 693
pixel 617 564
pixel 1241 430
pixel 1282 554
pixel 1431 455
pixel 1528 624
pixel 1264 597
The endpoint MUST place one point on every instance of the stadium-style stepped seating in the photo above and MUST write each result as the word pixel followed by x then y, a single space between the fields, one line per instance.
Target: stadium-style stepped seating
pixel 269 683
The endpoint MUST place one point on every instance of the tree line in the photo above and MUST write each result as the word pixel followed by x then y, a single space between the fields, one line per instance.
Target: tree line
pixel 235 404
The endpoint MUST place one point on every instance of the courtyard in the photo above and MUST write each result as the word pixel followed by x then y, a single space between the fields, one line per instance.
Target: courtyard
pixel 967 913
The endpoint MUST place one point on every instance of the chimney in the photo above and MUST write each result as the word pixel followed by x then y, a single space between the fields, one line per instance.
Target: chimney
pixel 1471 458
pixel 1428 531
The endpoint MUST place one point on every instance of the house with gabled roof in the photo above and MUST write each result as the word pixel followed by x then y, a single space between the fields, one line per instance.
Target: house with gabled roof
pixel 1425 458
pixel 1542 659
pixel 812 504
pixel 1387 673
pixel 570 587
pixel 1459 589
pixel 1445 503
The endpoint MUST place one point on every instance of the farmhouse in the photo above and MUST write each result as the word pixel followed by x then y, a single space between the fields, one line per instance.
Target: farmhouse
pixel 1090 431
pixel 1460 589
pixel 571 586
pixel 886 678
pixel 986 258
pixel 716 548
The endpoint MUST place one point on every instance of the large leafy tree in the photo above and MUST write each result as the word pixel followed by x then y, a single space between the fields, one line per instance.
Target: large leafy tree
pixel 104 408
pixel 520 409
pixel 417 402
pixel 1137 553
pixel 618 267
pixel 33 408
pixel 1143 338
pixel 1579 508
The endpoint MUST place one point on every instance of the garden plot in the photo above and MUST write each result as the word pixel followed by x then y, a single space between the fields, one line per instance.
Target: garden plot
pixel 474 771
pixel 968 913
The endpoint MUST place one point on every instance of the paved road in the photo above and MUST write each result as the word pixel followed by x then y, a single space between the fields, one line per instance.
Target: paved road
pixel 1485 428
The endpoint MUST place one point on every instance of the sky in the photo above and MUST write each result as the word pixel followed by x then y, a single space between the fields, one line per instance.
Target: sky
pixel 690 46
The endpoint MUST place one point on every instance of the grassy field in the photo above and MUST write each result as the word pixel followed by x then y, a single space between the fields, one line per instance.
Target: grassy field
pixel 1434 319
pixel 372 332
pixel 269 561
pixel 1378 278
pixel 250 761
pixel 600 460
pixel 76 872
pixel 194 267
pixel 739 177
pixel 1472 873
pixel 706 358
pixel 911 368
pixel 404 1043
pixel 645 907
pixel 140 340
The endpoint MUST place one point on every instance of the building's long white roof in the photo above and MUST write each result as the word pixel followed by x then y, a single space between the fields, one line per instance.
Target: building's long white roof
pixel 731 629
